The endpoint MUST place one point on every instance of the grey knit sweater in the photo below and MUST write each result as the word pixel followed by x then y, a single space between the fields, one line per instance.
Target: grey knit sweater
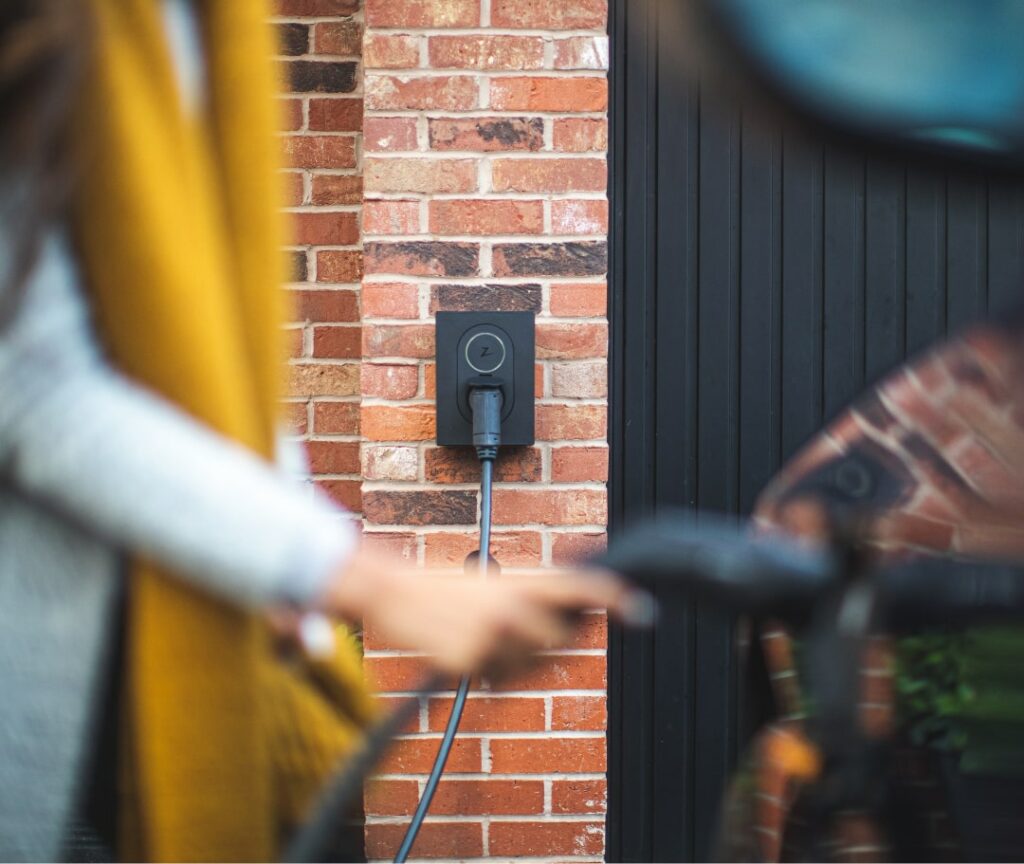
pixel 93 466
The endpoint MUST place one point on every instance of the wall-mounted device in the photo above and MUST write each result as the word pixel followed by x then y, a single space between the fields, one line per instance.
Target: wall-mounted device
pixel 485 349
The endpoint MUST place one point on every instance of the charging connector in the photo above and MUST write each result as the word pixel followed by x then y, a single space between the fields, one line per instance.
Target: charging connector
pixel 485 403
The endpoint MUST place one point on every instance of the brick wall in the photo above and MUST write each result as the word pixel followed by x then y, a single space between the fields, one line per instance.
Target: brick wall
pixel 484 158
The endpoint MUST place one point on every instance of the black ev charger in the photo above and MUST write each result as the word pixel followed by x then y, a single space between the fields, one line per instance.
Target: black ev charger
pixel 485 396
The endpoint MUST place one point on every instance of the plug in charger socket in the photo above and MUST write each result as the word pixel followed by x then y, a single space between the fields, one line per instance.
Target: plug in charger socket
pixel 493 348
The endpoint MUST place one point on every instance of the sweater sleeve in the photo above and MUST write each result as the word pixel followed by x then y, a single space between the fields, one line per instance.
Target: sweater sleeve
pixel 82 438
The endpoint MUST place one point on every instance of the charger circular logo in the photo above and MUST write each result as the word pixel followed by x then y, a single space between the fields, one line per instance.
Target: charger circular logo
pixel 485 352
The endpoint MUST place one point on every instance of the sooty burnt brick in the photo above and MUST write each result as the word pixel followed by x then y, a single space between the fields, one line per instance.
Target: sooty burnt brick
pixel 427 258
pixel 450 507
pixel 293 39
pixel 490 298
pixel 322 76
pixel 551 259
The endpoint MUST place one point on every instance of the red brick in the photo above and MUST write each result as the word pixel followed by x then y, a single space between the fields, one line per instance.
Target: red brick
pixel 571 341
pixel 546 507
pixel 339 38
pixel 391 217
pixel 397 422
pixel 390 51
pixel 579 796
pixel 320 151
pixel 347 493
pixel 577 464
pixel 333 457
pixel 389 381
pixel 450 216
pixel 390 463
pixel 391 797
pixel 389 134
pixel 316 8
pixel 429 93
pixel 422 13
pixel 339 267
pixel 579 301
pixel 560 672
pixel 325 229
pixel 430 380
pixel 571 422
pixel 576 548
pixel 563 258
pixel 582 52
pixel 339 343
pixel 549 94
pixel 422 258
pixel 337 189
pixel 291 115
pixel 336 418
pixel 428 176
pixel 390 300
pixel 580 380
pixel 415 507
pixel 328 304
pixel 296 417
pixel 545 15
pixel 509 548
pixel 397 545
pixel 546 839
pixel 336 115
pixel 590 632
pixel 460 465
pixel 484 714
pixel 487 134
pixel 549 175
pixel 486 52
pixel 579 713
pixel 580 135
pixel 547 756
pixel 417 756
pixel 396 674
pixel 447 840
pixel 579 217
pixel 294 343
pixel 498 297
pixel 323 379
pixel 294 190
pixel 401 340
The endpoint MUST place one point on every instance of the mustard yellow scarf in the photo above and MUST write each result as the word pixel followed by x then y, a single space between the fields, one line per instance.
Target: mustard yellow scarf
pixel 178 229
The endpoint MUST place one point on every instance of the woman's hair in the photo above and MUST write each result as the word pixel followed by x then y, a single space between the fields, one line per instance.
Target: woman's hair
pixel 43 51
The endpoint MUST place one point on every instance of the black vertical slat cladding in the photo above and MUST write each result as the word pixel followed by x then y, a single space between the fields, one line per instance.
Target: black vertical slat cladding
pixel 758 280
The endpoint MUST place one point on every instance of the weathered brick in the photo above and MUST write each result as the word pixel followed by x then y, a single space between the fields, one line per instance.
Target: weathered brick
pixel 430 93
pixel 579 464
pixel 460 465
pixel 342 38
pixel 321 76
pixel 580 380
pixel 582 52
pixel 587 258
pixel 339 343
pixel 546 839
pixel 316 8
pixel 588 300
pixel 291 115
pixel 560 672
pixel 488 714
pixel 579 217
pixel 404 340
pixel 389 381
pixel 397 422
pixel 391 217
pixel 335 115
pixel 293 39
pixel 416 756
pixel 390 797
pixel 394 543
pixel 579 796
pixel 508 548
pixel 486 298
pixel 446 507
pixel 296 415
pixel 549 175
pixel 486 134
pixel 390 463
pixel 319 151
pixel 452 216
pixel 323 379
pixel 336 189
pixel 298 266
pixel 486 52
pixel 489 797
pixel 545 15
pixel 339 266
pixel 542 506
pixel 549 94
pixel 445 840
pixel 422 13
pixel 336 418
pixel 571 422
pixel 390 300
pixel 572 341
pixel 391 51
pixel 429 176
pixel 294 193
pixel 537 756
pixel 325 229
pixel 579 713
pixel 580 135
pixel 422 258
pixel 347 493
pixel 328 304
pixel 333 457
pixel 389 134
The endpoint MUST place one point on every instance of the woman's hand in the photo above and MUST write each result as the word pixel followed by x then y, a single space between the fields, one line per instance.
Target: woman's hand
pixel 468 624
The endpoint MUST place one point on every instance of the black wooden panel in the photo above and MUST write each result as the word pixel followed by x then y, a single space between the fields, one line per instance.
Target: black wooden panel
pixel 760 279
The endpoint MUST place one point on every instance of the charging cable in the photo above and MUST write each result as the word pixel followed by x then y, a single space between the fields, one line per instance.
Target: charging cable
pixel 485 403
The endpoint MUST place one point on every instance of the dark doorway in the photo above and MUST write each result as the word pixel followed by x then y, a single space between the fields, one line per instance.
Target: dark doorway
pixel 760 279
